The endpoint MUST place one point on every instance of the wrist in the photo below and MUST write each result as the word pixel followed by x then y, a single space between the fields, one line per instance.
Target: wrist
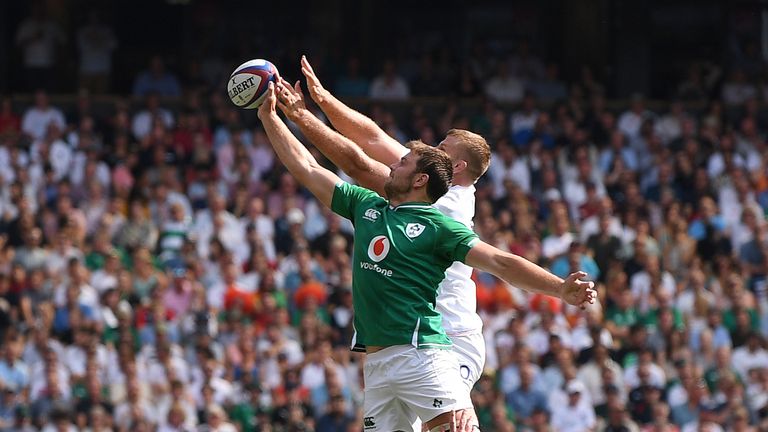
pixel 299 115
pixel 322 98
pixel 560 291
pixel 270 115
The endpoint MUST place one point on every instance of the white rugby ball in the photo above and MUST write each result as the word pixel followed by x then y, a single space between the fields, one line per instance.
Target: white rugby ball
pixel 247 86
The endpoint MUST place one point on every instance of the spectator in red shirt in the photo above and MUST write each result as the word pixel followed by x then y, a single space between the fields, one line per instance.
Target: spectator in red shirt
pixel 10 122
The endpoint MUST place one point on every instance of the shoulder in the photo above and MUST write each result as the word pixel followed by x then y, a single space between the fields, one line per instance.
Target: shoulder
pixel 445 223
pixel 457 193
pixel 458 203
pixel 359 191
pixel 349 199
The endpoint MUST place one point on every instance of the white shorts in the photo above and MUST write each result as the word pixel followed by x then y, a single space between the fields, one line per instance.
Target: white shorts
pixel 404 384
pixel 470 351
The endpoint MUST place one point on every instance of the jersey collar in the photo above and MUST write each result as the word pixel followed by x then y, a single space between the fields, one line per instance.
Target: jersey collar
pixel 411 205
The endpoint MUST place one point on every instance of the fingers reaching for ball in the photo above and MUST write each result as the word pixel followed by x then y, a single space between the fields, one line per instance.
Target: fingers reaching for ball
pixel 284 91
pixel 290 99
pixel 315 88
pixel 270 100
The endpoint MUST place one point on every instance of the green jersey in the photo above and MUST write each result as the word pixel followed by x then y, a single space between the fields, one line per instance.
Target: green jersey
pixel 400 256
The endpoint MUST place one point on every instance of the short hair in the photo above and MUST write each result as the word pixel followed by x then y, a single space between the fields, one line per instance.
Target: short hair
pixel 436 164
pixel 476 151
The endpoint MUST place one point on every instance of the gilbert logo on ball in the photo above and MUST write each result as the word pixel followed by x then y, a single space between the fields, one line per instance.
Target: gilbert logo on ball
pixel 247 86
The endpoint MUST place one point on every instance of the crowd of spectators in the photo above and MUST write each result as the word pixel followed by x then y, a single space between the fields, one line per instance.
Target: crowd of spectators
pixel 160 270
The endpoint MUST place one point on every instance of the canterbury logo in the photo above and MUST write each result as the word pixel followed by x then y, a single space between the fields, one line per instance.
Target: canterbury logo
pixel 378 248
pixel 371 215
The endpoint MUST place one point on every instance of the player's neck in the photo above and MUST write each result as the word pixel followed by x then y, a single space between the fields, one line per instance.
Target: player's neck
pixel 462 181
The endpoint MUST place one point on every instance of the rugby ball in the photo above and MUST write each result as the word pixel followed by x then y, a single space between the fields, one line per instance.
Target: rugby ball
pixel 247 86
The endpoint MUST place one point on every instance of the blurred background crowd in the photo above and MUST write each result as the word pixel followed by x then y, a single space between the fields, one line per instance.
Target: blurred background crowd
pixel 160 270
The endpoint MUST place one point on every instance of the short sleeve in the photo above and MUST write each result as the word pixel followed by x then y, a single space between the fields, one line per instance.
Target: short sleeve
pixel 347 197
pixel 456 240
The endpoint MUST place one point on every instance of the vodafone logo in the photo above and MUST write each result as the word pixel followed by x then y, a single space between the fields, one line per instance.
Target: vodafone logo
pixel 378 248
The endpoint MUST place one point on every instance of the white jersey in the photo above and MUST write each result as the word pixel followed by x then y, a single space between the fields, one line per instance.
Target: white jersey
pixel 457 297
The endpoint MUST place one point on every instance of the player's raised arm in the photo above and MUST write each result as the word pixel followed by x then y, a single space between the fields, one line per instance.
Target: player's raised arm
pixel 299 161
pixel 524 274
pixel 339 149
pixel 352 124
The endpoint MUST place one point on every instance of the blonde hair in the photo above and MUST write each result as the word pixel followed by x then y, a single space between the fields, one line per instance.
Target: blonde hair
pixel 476 151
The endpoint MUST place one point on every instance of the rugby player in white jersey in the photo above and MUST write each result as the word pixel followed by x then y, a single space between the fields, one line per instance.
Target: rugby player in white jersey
pixel 401 263
pixel 470 155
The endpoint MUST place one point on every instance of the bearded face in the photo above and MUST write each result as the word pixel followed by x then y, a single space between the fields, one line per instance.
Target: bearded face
pixel 397 186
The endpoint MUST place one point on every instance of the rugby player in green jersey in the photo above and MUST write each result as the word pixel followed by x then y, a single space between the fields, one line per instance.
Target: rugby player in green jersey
pixel 402 248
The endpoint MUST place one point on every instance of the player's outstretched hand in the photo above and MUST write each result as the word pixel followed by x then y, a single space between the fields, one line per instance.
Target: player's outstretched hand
pixel 578 292
pixel 268 106
pixel 466 421
pixel 290 100
pixel 316 90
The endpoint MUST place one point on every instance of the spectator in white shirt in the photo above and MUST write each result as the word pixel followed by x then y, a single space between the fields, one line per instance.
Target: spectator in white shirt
pixel 106 277
pixel 14 372
pixel 525 118
pixel 750 356
pixel 136 405
pixel 695 293
pixel 558 242
pixel 31 255
pixel 160 205
pixel 644 372
pixel 591 225
pixel 142 122
pixel 631 121
pixel 210 375
pixel 39 36
pixel 54 151
pixel 217 222
pixel 575 186
pixel 389 85
pixel 504 87
pixel 670 126
pixel 507 165
pixel 591 374
pixel 37 118
pixel 645 283
pixel 175 420
pixel 49 378
pixel 217 420
pixel 87 166
pixel 736 89
pixel 176 410
pixel 95 41
pixel 574 416
pixel 263 226
pixel 77 278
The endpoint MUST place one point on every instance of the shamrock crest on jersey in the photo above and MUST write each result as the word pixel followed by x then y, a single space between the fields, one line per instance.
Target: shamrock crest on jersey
pixel 413 230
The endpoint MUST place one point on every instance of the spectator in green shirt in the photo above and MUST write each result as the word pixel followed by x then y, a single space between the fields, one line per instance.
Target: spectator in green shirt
pixel 621 315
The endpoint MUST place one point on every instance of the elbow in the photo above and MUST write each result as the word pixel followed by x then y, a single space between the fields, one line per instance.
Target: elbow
pixel 353 159
pixel 358 170
pixel 502 266
pixel 512 268
pixel 309 168
pixel 303 175
pixel 359 161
